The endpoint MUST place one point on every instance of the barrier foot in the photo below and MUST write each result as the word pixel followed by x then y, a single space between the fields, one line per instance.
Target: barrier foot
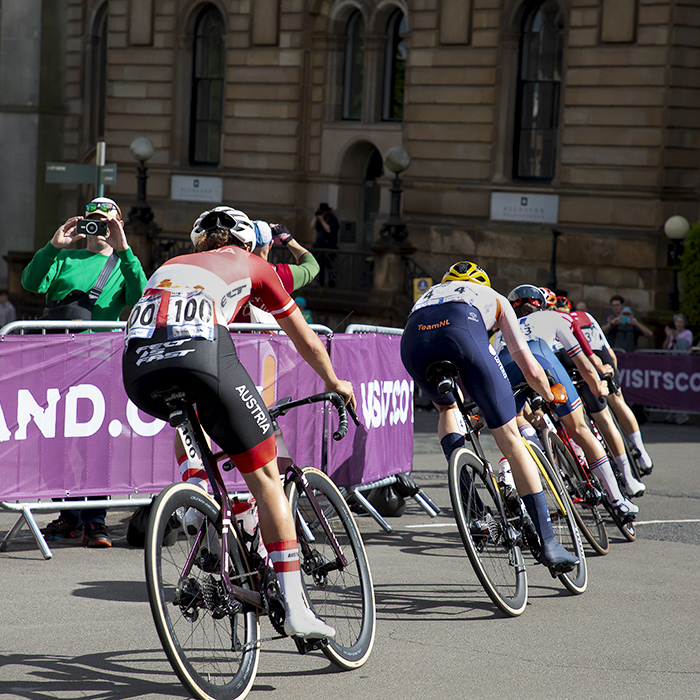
pixel 371 510
pixel 28 517
pixel 427 504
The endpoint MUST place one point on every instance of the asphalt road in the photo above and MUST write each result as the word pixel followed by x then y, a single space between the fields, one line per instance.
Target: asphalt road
pixel 79 625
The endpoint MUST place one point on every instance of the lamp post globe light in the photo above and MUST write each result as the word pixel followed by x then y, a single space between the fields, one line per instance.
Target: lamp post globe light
pixel 676 229
pixel 394 230
pixel 142 150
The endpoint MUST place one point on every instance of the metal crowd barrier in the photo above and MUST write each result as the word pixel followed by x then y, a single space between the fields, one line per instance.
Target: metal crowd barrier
pixel 27 509
pixel 355 492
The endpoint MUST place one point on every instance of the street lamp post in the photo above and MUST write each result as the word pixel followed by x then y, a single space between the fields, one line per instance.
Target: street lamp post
pixel 394 231
pixel 141 227
pixel 676 228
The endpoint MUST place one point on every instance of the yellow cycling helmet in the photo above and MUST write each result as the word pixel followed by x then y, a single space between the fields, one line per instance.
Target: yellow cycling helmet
pixel 466 271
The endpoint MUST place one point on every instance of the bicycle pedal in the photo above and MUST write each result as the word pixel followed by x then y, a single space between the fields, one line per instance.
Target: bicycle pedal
pixel 304 646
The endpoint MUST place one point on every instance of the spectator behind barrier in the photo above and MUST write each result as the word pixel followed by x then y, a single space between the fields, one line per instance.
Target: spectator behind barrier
pixel 67 276
pixel 678 337
pixel 622 328
pixel 8 313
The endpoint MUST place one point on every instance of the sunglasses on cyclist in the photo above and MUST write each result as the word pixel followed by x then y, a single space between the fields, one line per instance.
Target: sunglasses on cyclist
pixel 217 219
pixel 519 302
pixel 91 207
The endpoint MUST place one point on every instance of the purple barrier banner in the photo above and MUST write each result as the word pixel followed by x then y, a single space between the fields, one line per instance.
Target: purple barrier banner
pixel 68 428
pixel 661 380
pixel 382 445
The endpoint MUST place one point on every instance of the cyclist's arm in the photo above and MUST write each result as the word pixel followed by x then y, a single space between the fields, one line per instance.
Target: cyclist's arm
pixel 589 375
pixel 314 353
pixel 533 373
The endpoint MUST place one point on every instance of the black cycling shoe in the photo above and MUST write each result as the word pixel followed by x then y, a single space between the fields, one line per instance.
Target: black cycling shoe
pixel 556 558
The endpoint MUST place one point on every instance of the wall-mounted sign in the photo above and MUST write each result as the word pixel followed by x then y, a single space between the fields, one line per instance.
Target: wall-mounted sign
pixel 196 189
pixel 514 206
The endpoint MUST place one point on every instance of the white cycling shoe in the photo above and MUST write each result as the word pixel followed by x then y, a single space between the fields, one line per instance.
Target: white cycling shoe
pixel 303 623
pixel 634 488
pixel 625 508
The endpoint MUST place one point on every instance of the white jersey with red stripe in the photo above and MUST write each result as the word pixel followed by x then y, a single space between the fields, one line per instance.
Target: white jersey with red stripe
pixel 592 330
pixel 552 328
pixel 494 308
pixel 190 294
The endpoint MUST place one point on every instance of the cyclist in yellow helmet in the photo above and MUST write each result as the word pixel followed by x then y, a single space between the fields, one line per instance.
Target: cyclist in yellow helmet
pixel 451 321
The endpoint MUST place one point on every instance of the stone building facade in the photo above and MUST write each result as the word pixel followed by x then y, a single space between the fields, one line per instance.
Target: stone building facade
pixel 519 116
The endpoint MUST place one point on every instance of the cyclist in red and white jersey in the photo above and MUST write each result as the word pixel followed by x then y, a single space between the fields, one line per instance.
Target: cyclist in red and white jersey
pixel 607 362
pixel 451 322
pixel 177 336
pixel 544 329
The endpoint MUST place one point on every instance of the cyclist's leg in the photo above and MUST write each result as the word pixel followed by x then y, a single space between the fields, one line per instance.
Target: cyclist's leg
pixel 598 462
pixel 605 424
pixel 629 423
pixel 527 481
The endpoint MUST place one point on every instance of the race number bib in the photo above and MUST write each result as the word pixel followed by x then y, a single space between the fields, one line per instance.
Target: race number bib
pixel 142 320
pixel 191 315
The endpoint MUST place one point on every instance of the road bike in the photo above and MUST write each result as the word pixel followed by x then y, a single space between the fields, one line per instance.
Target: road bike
pixel 208 585
pixel 494 528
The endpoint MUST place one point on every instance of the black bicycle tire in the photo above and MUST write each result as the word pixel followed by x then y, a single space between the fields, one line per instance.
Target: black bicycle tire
pixel 588 515
pixel 506 586
pixel 352 587
pixel 563 523
pixel 627 529
pixel 184 640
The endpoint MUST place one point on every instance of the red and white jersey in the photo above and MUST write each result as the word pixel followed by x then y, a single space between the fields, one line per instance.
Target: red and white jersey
pixel 552 328
pixel 576 329
pixel 190 294
pixel 592 330
pixel 494 308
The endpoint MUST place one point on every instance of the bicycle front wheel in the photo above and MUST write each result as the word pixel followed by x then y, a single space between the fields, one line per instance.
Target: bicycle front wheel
pixel 563 522
pixel 487 535
pixel 342 595
pixel 210 639
pixel 586 504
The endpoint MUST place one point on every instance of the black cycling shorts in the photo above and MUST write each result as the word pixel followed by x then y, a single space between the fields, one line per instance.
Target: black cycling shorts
pixel 229 406
pixel 607 359
pixel 593 403
pixel 456 331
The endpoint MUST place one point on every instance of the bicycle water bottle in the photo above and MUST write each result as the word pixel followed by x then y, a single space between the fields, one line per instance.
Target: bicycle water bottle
pixel 246 513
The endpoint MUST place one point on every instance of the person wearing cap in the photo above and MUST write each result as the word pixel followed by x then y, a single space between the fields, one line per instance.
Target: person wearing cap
pixel 622 328
pixel 326 226
pixel 293 277
pixel 59 269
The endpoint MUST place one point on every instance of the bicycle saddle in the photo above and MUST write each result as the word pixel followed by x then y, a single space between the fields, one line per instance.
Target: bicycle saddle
pixel 443 373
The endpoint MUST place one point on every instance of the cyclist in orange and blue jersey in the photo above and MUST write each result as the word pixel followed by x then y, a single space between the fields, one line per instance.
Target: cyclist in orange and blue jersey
pixel 451 321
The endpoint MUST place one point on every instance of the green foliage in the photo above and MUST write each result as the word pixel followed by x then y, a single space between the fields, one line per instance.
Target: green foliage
pixel 690 271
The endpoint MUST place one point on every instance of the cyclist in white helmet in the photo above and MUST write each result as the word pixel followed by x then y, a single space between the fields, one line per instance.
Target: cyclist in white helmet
pixel 177 335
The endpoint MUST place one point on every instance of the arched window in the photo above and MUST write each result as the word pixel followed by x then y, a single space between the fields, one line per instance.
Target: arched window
pixel 354 67
pixel 539 85
pixel 394 68
pixel 98 75
pixel 207 88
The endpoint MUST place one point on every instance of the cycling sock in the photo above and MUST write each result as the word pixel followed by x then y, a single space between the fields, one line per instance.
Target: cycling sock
pixel 284 557
pixel 636 438
pixel 192 475
pixel 604 472
pixel 299 620
pixel 536 505
pixel 529 433
pixel 633 486
pixel 450 443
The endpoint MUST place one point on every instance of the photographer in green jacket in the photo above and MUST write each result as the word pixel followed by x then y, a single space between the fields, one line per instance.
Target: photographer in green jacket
pixel 60 272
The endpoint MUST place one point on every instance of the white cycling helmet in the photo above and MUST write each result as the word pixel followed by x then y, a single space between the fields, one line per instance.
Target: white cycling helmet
pixel 233 220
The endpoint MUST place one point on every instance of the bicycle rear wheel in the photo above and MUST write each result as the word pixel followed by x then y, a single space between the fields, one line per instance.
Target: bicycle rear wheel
pixel 488 538
pixel 587 509
pixel 210 639
pixel 342 596
pixel 563 523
